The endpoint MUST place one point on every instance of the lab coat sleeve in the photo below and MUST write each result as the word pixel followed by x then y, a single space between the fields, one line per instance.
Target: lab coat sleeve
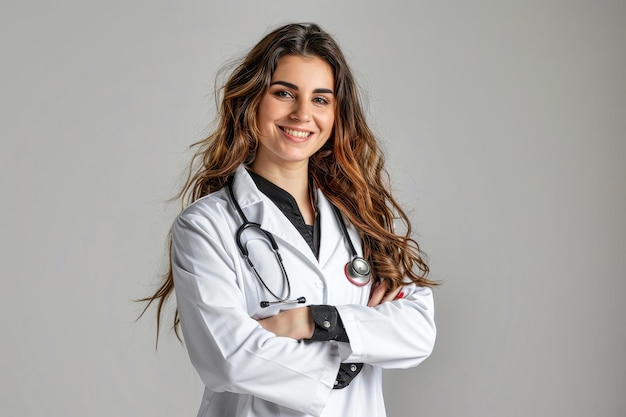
pixel 231 351
pixel 396 334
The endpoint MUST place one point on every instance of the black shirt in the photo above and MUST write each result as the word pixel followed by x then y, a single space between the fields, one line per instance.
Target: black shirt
pixel 288 206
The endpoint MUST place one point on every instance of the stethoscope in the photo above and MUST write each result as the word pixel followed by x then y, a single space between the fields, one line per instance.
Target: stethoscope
pixel 357 270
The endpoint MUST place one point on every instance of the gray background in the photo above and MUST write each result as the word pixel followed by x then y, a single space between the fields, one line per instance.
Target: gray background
pixel 504 125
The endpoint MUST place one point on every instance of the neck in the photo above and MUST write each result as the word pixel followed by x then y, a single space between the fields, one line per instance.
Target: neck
pixel 294 180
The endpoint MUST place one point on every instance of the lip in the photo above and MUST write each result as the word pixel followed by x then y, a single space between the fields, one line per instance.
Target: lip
pixel 295 138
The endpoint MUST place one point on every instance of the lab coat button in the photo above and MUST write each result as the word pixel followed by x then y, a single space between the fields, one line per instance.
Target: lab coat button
pixel 326 324
pixel 336 382
pixel 353 367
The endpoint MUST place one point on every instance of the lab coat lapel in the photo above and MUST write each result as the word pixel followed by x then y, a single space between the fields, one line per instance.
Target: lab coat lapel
pixel 331 235
pixel 260 209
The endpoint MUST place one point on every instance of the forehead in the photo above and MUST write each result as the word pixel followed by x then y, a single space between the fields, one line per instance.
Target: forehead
pixel 305 69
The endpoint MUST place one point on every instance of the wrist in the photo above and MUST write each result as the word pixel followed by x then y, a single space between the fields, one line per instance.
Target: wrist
pixel 308 324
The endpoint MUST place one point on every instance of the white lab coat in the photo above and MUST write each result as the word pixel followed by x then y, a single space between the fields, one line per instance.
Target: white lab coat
pixel 247 370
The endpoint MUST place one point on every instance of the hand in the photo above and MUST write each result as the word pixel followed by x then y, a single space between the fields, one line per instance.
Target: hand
pixel 296 323
pixel 379 295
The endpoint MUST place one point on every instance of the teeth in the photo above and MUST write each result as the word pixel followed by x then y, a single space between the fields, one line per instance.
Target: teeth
pixel 297 133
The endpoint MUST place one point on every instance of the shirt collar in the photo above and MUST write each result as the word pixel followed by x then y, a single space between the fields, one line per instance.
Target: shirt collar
pixel 280 197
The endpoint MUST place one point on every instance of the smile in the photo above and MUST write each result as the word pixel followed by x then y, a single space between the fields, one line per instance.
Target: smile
pixel 296 133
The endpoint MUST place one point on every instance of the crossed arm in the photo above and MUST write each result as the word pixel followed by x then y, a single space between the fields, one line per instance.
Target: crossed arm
pixel 297 323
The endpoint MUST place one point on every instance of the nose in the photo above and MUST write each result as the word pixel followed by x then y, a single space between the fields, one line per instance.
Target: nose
pixel 301 111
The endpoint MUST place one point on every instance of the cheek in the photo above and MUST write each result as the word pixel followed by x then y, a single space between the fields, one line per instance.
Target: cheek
pixel 264 112
pixel 326 120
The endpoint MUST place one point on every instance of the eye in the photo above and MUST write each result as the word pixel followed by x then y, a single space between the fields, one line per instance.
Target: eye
pixel 320 100
pixel 283 94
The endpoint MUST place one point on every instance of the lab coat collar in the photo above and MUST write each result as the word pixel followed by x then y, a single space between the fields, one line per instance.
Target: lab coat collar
pixel 246 192
pixel 331 235
pixel 260 209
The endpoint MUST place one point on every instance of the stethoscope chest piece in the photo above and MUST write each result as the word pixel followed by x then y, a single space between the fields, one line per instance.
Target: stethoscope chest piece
pixel 358 271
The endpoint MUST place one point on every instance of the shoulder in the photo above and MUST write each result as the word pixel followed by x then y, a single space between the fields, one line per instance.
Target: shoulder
pixel 211 214
pixel 216 212
pixel 207 206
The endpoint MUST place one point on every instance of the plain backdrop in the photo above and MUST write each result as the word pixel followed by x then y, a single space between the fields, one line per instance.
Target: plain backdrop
pixel 504 125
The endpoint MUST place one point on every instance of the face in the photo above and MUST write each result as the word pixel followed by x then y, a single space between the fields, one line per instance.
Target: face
pixel 297 114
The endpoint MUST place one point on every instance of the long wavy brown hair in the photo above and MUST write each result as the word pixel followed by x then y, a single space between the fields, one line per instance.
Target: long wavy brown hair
pixel 349 168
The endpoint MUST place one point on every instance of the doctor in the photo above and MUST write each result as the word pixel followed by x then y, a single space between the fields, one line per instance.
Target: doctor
pixel 293 290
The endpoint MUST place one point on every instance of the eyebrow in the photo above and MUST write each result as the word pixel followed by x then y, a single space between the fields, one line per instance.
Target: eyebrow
pixel 295 87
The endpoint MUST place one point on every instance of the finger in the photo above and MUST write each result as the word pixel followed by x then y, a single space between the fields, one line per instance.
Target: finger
pixel 377 294
pixel 395 294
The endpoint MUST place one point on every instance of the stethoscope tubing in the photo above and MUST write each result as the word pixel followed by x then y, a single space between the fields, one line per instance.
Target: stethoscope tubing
pixel 357 270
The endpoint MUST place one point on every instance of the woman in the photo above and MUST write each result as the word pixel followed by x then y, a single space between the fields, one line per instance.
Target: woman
pixel 293 290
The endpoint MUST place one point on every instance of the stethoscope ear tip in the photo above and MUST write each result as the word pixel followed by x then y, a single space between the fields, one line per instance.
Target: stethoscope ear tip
pixel 299 300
